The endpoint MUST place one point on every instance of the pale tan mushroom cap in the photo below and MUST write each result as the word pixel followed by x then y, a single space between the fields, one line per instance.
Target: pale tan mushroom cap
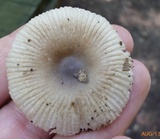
pixel 68 71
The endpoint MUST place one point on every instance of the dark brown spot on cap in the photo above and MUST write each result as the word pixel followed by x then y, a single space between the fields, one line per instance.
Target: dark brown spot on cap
pixel 73 104
pixel 89 129
pixel 102 126
pixel 120 43
pixel 54 127
pixel 108 121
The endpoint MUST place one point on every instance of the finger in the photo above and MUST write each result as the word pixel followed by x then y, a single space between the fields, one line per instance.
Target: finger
pixel 125 36
pixel 5 45
pixel 14 125
pixel 121 137
pixel 140 89
pixel 138 94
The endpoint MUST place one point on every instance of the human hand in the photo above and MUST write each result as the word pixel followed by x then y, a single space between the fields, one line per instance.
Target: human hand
pixel 13 123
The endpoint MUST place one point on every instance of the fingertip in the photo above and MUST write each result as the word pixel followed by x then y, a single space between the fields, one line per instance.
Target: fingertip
pixel 121 137
pixel 140 89
pixel 139 92
pixel 125 36
pixel 12 36
pixel 142 79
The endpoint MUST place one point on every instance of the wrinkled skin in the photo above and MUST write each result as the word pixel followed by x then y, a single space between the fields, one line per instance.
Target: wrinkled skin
pixel 13 123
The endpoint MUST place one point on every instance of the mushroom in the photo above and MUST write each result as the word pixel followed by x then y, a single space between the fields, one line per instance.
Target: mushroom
pixel 68 71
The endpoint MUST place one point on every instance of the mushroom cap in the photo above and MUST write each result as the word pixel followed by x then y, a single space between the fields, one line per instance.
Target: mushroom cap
pixel 68 71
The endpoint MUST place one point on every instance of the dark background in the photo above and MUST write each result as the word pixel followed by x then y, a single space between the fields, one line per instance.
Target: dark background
pixel 141 18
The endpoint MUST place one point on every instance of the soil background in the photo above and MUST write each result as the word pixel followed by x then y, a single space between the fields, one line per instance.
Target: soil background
pixel 142 19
